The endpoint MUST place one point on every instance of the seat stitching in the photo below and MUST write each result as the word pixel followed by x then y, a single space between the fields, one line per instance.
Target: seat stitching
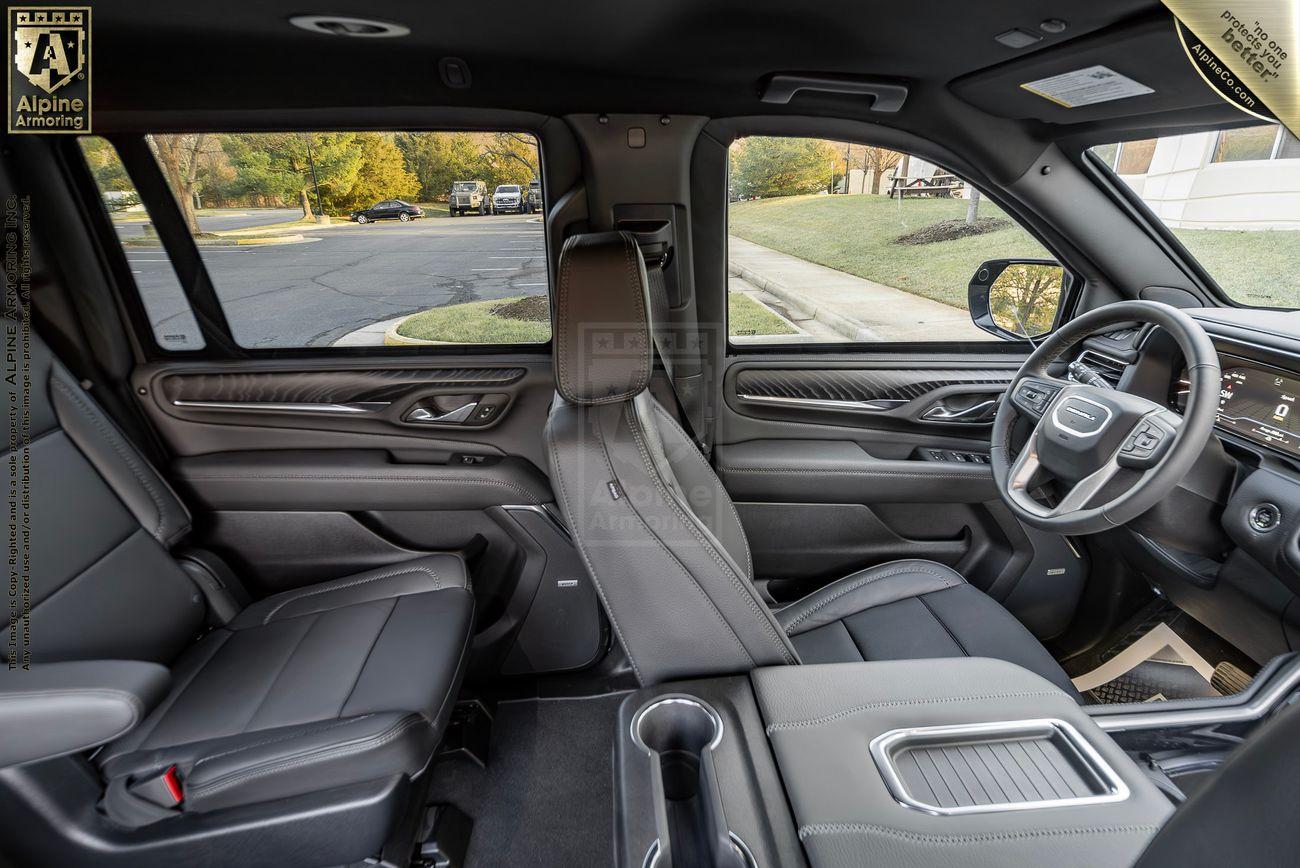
pixel 803 616
pixel 899 703
pixel 356 477
pixel 437 586
pixel 371 650
pixel 299 734
pixel 118 447
pixel 935 615
pixel 746 595
pixel 704 595
pixel 744 539
pixel 953 840
pixel 174 697
pixel 359 746
pixel 302 637
pixel 591 570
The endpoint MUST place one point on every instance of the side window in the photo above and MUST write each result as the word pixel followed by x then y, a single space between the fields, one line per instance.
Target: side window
pixel 838 242
pixel 169 312
pixel 308 242
pixel 1231 197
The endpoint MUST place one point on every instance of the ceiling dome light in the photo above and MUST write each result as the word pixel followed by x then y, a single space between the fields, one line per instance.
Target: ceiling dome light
pixel 342 25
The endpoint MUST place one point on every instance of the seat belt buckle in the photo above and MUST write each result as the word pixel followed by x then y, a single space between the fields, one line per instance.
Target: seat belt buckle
pixel 162 790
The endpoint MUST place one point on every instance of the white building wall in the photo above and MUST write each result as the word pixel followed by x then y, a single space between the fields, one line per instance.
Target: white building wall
pixel 1187 191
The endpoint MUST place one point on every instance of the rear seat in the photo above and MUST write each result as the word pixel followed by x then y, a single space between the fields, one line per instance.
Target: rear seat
pixel 306 692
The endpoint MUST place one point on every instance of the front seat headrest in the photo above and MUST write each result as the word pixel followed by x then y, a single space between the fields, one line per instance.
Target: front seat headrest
pixel 602 320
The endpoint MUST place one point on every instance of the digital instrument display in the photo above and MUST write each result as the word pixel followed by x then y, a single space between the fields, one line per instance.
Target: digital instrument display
pixel 1257 404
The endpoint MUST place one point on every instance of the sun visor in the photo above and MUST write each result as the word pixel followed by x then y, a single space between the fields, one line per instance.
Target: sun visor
pixel 1150 74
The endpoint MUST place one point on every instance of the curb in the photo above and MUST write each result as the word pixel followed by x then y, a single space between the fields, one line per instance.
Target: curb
pixel 393 339
pixel 847 326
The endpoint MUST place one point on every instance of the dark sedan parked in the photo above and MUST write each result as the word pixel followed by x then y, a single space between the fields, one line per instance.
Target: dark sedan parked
pixel 389 209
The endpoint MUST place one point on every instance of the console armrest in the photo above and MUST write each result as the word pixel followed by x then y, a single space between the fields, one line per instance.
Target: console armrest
pixel 913 762
pixel 60 708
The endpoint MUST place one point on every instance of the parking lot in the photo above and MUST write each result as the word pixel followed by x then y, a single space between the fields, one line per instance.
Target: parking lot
pixel 343 277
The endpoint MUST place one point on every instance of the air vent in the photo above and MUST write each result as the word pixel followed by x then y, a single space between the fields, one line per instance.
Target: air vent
pixel 1109 369
pixel 341 25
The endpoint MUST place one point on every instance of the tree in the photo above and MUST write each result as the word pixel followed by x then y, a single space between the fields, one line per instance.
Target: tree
pixel 511 158
pixel 278 166
pixel 765 166
pixel 879 161
pixel 382 175
pixel 1024 298
pixel 179 157
pixel 972 206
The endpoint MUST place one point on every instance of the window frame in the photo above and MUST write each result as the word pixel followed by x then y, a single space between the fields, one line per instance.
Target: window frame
pixel 1273 150
pixel 196 283
pixel 1071 288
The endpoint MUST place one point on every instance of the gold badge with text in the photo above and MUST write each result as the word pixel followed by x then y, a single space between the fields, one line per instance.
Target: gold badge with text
pixel 49 81
pixel 1246 51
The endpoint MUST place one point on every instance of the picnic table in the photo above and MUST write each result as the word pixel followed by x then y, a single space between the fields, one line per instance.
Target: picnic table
pixel 939 185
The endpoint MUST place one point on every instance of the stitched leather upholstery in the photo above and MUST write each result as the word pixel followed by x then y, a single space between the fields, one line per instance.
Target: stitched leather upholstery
pixel 344 682
pixel 906 610
pixel 662 541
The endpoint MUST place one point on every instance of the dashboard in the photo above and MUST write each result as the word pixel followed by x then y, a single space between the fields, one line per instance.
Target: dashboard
pixel 1256 402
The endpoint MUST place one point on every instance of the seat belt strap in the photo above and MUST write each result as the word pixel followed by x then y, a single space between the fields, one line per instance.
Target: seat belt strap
pixel 690 407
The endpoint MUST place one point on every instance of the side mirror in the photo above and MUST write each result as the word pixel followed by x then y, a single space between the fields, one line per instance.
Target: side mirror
pixel 1016 299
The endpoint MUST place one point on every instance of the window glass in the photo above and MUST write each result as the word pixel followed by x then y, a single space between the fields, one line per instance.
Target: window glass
pixel 1135 157
pixel 169 312
pixel 881 252
pixel 1232 197
pixel 1247 143
pixel 319 239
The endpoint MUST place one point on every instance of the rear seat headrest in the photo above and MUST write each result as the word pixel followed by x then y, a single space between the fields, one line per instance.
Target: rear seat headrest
pixel 602 333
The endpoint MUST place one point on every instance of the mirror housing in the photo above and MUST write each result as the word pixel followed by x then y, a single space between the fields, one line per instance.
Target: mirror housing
pixel 1017 299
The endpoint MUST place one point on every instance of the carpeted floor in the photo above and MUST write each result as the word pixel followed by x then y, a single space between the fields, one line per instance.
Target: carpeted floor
pixel 546 797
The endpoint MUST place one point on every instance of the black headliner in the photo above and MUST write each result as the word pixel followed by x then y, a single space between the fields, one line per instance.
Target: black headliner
pixel 705 57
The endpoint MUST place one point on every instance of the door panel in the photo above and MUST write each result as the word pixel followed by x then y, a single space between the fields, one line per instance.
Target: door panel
pixel 304 470
pixel 841 463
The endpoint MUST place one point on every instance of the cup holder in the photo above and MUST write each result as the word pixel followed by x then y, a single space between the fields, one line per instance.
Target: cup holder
pixel 680 732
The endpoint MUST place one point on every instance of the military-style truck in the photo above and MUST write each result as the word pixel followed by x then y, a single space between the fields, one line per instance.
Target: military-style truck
pixel 467 197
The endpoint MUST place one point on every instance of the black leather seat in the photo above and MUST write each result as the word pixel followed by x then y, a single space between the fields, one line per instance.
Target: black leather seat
pixel 306 693
pixel 662 539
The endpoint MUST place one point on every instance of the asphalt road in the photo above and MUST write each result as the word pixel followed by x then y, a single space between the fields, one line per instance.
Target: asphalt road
pixel 311 293
pixel 224 221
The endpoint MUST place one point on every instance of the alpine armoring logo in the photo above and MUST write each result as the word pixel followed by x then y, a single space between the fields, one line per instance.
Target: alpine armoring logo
pixel 49 82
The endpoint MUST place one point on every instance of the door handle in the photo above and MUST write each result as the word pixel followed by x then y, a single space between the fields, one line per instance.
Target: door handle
pixel 451 417
pixel 972 415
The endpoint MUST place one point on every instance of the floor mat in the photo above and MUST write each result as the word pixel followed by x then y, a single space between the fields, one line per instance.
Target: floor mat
pixel 1158 665
pixel 546 797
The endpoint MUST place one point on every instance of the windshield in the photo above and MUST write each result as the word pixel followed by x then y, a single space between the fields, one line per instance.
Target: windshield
pixel 507 189
pixel 1232 197
pixel 463 186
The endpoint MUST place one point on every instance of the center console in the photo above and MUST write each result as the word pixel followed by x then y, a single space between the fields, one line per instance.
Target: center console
pixel 925 762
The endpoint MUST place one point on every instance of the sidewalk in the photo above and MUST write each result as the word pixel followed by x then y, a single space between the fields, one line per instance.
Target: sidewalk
pixel 855 308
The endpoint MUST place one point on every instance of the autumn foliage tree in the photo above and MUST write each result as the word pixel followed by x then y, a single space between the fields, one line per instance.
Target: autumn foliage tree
pixel 1024 298
pixel 767 166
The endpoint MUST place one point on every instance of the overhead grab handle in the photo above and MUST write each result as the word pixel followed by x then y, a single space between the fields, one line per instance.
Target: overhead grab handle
pixel 888 96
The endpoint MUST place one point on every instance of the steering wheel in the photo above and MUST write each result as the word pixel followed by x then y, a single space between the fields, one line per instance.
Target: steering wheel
pixel 1086 436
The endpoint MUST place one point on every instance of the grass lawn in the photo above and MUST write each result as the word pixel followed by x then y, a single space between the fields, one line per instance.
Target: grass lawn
pixel 1258 268
pixel 856 234
pixel 477 322
pixel 747 317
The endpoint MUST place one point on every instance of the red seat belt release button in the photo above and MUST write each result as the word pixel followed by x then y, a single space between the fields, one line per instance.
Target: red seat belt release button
pixel 164 790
